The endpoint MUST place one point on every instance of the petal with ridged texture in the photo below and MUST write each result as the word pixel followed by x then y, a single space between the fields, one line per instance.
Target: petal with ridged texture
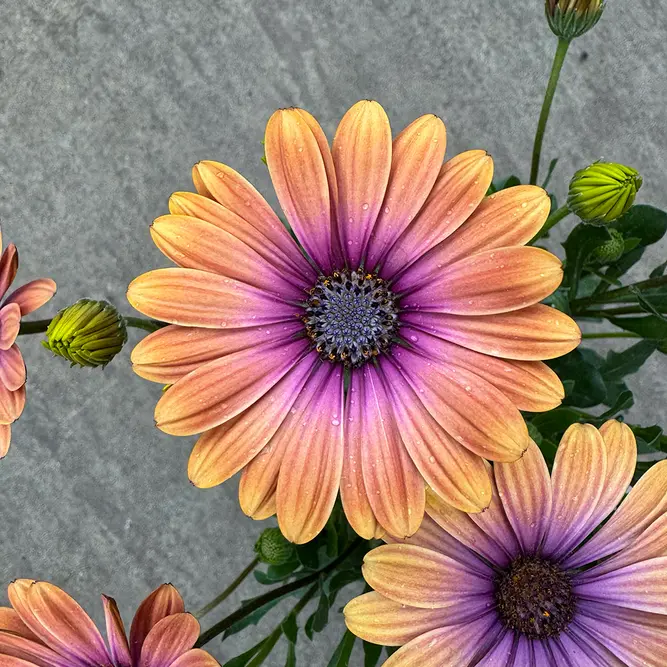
pixel 309 477
pixel 530 334
pixel 416 160
pixel 581 649
pixel 470 409
pixel 460 186
pixel 5 439
pixel 379 620
pixel 221 389
pixel 195 657
pixel 353 493
pixel 423 578
pixel 501 654
pixel 453 471
pixel 646 501
pixel 17 651
pixel 225 449
pixel 362 159
pixel 119 648
pixel 453 646
pixel 10 322
pixel 161 603
pixel 12 368
pixel 168 639
pixel 490 282
pixel 394 486
pixel 32 295
pixel 9 264
pixel 11 404
pixel 10 621
pixel 300 180
pixel 524 488
pixel 172 352
pixel 196 298
pixel 194 244
pixel 268 237
pixel 58 621
pixel 577 482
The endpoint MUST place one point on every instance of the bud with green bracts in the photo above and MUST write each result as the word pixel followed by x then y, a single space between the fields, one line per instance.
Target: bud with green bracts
pixel 603 192
pixel 572 18
pixel 87 333
pixel 610 250
pixel 272 547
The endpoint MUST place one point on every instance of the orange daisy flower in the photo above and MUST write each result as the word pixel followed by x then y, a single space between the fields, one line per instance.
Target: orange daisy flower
pixel 20 302
pixel 47 628
pixel 392 350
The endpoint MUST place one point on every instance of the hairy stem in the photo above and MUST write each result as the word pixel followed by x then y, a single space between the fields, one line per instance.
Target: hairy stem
pixel 146 325
pixel 37 326
pixel 228 591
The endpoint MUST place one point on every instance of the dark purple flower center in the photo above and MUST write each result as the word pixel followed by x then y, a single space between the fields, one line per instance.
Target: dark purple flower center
pixel 351 317
pixel 534 597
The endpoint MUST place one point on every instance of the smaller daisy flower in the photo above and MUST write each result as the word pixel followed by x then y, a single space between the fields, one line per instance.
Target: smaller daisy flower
pixel 47 628
pixel 532 581
pixel 19 303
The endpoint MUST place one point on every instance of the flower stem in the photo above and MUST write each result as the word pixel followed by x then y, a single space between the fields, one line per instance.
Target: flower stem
pixel 606 312
pixel 146 325
pixel 627 293
pixel 611 334
pixel 559 58
pixel 276 593
pixel 37 326
pixel 228 591
pixel 551 221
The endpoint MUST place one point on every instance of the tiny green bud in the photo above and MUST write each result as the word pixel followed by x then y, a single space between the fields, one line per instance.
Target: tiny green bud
pixel 572 18
pixel 87 333
pixel 603 192
pixel 273 548
pixel 610 250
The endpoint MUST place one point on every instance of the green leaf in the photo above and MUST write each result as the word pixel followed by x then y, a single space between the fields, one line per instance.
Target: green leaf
pixel 624 400
pixel 341 656
pixel 254 618
pixel 589 385
pixel 372 653
pixel 309 553
pixel 646 303
pixel 550 171
pixel 534 433
pixel 659 271
pixel 630 244
pixel 646 223
pixel 549 449
pixel 649 326
pixel 255 652
pixel 649 438
pixel 620 364
pixel 581 242
pixel 291 656
pixel 319 618
pixel 275 573
pixel 556 421
pixel 290 628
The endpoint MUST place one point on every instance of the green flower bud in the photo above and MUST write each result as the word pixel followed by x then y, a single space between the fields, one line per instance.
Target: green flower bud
pixel 272 547
pixel 87 333
pixel 610 250
pixel 603 192
pixel 572 18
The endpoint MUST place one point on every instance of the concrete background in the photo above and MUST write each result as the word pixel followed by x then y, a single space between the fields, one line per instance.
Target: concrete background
pixel 105 106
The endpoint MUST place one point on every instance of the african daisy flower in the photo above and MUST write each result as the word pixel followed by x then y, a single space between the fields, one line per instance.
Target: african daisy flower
pixel 529 583
pixel 405 264
pixel 47 628
pixel 20 302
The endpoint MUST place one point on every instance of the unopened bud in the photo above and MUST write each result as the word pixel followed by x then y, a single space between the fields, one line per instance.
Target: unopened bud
pixel 273 548
pixel 87 333
pixel 572 18
pixel 610 250
pixel 603 192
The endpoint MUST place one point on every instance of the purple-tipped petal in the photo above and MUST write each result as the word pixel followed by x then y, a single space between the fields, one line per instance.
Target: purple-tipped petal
pixel 119 648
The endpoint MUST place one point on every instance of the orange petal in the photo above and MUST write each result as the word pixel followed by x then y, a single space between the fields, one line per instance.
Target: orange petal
pixel 10 322
pixel 10 621
pixel 416 159
pixel 5 439
pixel 494 281
pixel 577 481
pixel 531 334
pixel 309 477
pixel 362 157
pixel 196 298
pixel 459 188
pixel 11 404
pixel 214 393
pixel 58 621
pixel 352 490
pixel 196 657
pixel 9 264
pixel 119 648
pixel 18 651
pixel 33 295
pixel 300 179
pixel 161 603
pixel 224 450
pixel 168 639
pixel 470 409
pixel 422 578
pixel 456 474
pixel 267 237
pixel 12 368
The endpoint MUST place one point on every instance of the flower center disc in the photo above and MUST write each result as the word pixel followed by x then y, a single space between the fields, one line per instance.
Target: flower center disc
pixel 351 317
pixel 535 597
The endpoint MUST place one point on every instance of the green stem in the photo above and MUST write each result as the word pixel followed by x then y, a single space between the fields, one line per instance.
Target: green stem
pixel 606 312
pixel 559 58
pixel 551 221
pixel 228 591
pixel 37 326
pixel 146 325
pixel 611 334
pixel 622 293
pixel 276 593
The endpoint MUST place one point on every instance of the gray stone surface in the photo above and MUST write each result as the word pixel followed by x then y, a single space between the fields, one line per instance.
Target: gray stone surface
pixel 105 106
